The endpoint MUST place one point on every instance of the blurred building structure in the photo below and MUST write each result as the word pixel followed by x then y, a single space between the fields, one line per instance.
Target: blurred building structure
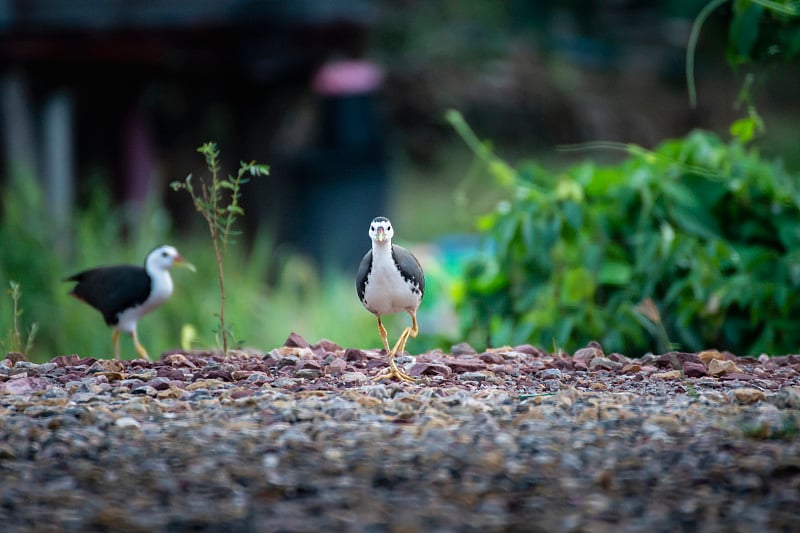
pixel 123 91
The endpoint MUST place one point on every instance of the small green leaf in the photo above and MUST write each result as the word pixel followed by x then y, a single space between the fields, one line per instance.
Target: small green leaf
pixel 502 172
pixel 744 29
pixel 259 170
pixel 745 129
pixel 573 214
pixel 615 273
pixel 577 286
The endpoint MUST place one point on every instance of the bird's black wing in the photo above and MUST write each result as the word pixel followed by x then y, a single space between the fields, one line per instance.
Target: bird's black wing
pixel 409 267
pixel 112 289
pixel 363 273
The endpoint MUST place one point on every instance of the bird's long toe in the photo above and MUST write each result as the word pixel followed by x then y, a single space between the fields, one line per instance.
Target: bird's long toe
pixel 394 372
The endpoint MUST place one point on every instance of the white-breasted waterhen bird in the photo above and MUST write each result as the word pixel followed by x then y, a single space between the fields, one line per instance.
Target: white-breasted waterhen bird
pixel 390 280
pixel 124 293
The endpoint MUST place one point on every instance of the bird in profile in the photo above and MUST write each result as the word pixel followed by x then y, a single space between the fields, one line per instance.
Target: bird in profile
pixel 390 280
pixel 124 293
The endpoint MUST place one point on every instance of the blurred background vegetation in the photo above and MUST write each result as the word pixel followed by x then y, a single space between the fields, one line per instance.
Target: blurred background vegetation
pixel 688 243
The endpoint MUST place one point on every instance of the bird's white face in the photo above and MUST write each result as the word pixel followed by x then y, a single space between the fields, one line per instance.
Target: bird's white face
pixel 380 230
pixel 164 258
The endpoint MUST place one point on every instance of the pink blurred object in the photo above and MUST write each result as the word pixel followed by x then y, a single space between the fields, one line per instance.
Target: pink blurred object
pixel 344 77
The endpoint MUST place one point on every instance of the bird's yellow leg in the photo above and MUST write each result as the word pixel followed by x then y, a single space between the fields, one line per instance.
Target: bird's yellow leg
pixel 394 371
pixel 115 340
pixel 413 331
pixel 384 335
pixel 400 345
pixel 139 348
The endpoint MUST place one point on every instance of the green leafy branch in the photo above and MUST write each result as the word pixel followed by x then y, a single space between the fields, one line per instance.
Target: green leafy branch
pixel 219 214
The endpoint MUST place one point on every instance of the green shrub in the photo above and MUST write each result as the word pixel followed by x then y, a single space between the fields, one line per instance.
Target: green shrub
pixel 696 242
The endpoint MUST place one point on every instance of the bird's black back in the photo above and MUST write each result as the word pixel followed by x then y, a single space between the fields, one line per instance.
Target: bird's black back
pixel 364 268
pixel 409 267
pixel 113 289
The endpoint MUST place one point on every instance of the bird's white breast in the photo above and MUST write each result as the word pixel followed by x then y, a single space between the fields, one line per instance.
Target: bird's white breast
pixel 386 291
pixel 160 291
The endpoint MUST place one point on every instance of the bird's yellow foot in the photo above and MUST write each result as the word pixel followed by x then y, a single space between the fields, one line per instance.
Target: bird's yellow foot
pixel 396 373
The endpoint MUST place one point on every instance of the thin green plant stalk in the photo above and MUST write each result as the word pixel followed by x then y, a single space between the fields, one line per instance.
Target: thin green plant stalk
pixel 15 343
pixel 219 217
pixel 694 36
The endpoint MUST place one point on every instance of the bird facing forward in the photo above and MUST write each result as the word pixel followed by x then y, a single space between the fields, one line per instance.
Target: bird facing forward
pixel 390 280
pixel 124 293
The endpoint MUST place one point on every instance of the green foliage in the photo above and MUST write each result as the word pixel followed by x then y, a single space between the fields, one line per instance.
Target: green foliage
pixel 764 31
pixel 14 338
pixel 220 215
pixel 760 32
pixel 698 237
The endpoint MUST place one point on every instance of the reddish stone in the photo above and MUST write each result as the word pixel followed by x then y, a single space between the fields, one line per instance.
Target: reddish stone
pixel 429 369
pixel 694 370
pixel 374 363
pixel 684 357
pixel 326 346
pixel 177 359
pixel 631 368
pixel 66 360
pixel 23 385
pixel 308 363
pixel 585 355
pixel 506 369
pixel 492 358
pixel 337 366
pixel 463 348
pixel 619 358
pixel 354 354
pixel 270 361
pixel 296 341
pixel 668 360
pixel 159 383
pixel 529 350
pixel 434 355
pixel 218 374
pixel 737 375
pixel 169 372
pixel 563 363
pixel 466 365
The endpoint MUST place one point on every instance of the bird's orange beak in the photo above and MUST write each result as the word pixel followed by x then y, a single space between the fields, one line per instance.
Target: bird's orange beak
pixel 180 262
pixel 381 236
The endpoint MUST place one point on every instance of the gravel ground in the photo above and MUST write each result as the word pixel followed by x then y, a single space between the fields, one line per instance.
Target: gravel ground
pixel 300 439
